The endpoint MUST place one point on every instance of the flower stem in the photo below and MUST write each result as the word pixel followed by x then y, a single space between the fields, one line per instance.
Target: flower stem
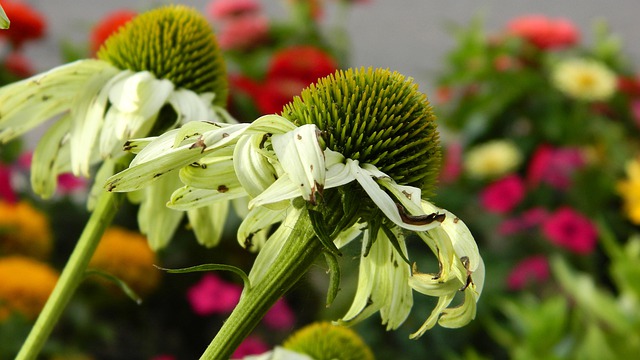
pixel 72 274
pixel 294 260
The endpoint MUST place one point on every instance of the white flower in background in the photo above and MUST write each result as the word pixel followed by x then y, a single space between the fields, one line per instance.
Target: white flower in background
pixel 354 156
pixel 492 159
pixel 584 79
pixel 148 78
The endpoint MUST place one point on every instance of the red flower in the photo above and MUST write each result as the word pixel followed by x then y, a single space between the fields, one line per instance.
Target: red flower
pixel 571 230
pixel 280 316
pixel 213 295
pixel 554 166
pixel 18 64
pixel 544 32
pixel 503 195
pixel 534 269
pixel 221 10
pixel 26 23
pixel 635 112
pixel 304 63
pixel 276 93
pixel 109 25
pixel 629 85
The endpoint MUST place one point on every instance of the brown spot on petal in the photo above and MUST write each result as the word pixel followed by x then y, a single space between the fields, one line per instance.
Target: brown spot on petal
pixel 223 189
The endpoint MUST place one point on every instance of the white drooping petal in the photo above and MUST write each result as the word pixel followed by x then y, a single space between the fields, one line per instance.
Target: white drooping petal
pixel 188 197
pixel 281 190
pixel 28 103
pixel 155 219
pixel 463 242
pixel 382 284
pixel 271 124
pixel 384 202
pixel 302 159
pixel 47 158
pixel 88 111
pixel 338 172
pixel 431 321
pixel 462 314
pixel 190 106
pixel 253 168
pixel 208 222
pixel 257 221
pixel 273 246
pixel 140 93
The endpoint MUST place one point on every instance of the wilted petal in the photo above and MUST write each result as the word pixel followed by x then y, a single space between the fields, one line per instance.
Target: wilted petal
pixel 431 321
pixel 155 219
pixel 257 221
pixel 188 197
pixel 302 159
pixel 208 222
pixel 191 107
pixel 47 160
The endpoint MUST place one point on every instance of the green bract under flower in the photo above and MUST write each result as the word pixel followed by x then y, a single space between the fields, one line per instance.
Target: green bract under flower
pixel 376 117
pixel 174 43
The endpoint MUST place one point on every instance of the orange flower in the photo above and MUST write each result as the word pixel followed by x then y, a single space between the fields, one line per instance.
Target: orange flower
pixel 25 287
pixel 24 230
pixel 126 255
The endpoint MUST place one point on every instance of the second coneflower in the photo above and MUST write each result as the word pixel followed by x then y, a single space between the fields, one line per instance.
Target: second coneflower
pixel 352 158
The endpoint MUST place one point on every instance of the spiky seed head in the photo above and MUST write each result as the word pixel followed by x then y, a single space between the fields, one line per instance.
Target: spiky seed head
pixel 377 117
pixel 324 341
pixel 172 42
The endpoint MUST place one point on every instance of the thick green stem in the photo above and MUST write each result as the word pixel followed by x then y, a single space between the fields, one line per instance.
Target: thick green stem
pixel 72 275
pixel 295 259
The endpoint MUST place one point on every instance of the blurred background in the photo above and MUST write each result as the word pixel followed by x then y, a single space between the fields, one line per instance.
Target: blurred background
pixel 538 104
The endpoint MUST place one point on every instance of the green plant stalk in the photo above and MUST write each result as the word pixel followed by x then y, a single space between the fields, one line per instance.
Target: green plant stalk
pixel 72 274
pixel 297 255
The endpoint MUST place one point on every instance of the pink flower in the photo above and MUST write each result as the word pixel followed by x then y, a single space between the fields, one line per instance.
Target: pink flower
pixel 452 166
pixel 213 295
pixel 571 230
pixel 221 10
pixel 503 195
pixel 526 221
pixel 554 166
pixel 250 346
pixel 544 32
pixel 280 316
pixel 244 33
pixel 635 112
pixel 534 269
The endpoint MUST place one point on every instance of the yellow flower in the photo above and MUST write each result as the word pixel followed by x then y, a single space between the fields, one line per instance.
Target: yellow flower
pixel 24 230
pixel 492 159
pixel 25 285
pixel 324 341
pixel 126 255
pixel 584 79
pixel 629 189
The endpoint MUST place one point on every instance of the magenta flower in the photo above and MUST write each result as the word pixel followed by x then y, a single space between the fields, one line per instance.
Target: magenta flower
pixel 280 316
pixel 554 166
pixel 503 195
pixel 6 189
pixel 213 295
pixel 252 345
pixel 571 230
pixel 526 221
pixel 534 269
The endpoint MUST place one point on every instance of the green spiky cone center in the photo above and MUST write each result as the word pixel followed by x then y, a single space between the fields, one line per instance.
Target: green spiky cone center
pixel 377 117
pixel 323 341
pixel 174 43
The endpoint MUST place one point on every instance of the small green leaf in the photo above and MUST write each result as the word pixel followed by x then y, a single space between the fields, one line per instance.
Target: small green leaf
pixel 119 282
pixel 211 267
pixel 334 277
pixel 319 227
